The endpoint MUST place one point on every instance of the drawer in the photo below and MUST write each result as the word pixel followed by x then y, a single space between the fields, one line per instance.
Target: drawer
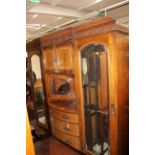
pixel 65 126
pixel 73 118
pixel 68 139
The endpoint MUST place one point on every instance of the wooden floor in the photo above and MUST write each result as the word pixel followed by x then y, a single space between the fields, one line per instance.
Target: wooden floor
pixel 52 146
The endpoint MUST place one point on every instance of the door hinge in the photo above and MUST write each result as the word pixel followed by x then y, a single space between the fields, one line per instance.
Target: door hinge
pixel 112 109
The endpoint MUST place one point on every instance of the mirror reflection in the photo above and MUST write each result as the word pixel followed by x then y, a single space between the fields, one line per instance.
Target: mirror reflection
pixel 94 81
pixel 38 89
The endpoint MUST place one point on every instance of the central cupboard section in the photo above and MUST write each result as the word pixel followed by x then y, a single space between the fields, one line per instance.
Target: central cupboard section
pixel 61 93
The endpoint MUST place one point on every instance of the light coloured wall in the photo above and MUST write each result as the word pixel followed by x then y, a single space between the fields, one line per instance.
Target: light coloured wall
pixel 35 61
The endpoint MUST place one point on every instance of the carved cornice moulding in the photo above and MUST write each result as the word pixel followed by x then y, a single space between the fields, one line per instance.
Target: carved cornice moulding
pixel 91 27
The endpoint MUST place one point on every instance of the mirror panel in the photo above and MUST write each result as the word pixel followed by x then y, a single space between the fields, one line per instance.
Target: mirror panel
pixel 38 89
pixel 94 81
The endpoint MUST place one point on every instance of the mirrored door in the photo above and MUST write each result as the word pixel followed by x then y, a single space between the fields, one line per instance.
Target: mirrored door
pixel 95 94
pixel 38 90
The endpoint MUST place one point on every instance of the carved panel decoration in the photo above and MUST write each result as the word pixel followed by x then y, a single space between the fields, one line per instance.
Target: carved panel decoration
pixel 60 87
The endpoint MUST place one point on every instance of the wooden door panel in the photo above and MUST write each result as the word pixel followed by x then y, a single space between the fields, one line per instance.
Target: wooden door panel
pixel 64 57
pixel 60 87
pixel 49 59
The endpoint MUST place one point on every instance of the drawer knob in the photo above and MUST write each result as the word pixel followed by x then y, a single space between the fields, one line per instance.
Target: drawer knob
pixel 66 128
pixel 65 117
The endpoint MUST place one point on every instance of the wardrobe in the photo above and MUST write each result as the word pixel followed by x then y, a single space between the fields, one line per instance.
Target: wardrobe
pixel 85 68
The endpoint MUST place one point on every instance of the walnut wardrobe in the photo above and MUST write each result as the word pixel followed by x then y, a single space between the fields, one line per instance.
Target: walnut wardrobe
pixel 85 68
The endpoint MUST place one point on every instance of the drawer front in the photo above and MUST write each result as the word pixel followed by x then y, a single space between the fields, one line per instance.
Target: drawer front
pixel 68 139
pixel 66 127
pixel 73 118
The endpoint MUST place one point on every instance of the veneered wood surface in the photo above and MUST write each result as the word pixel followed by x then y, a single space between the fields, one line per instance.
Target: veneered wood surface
pixel 65 126
pixel 68 139
pixel 73 118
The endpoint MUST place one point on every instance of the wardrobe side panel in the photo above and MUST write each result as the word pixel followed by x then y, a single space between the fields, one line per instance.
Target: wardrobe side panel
pixel 118 93
pixel 123 93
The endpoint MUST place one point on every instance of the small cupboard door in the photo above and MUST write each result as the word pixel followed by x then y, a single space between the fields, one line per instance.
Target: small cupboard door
pixel 49 58
pixel 64 57
pixel 60 87
pixel 58 57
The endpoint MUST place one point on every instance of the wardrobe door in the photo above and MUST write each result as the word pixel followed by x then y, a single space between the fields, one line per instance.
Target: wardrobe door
pixel 64 57
pixel 49 58
pixel 60 87
pixel 95 95
pixel 38 91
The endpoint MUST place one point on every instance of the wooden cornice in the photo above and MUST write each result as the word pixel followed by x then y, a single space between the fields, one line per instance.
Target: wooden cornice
pixel 33 45
pixel 91 27
pixel 56 37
